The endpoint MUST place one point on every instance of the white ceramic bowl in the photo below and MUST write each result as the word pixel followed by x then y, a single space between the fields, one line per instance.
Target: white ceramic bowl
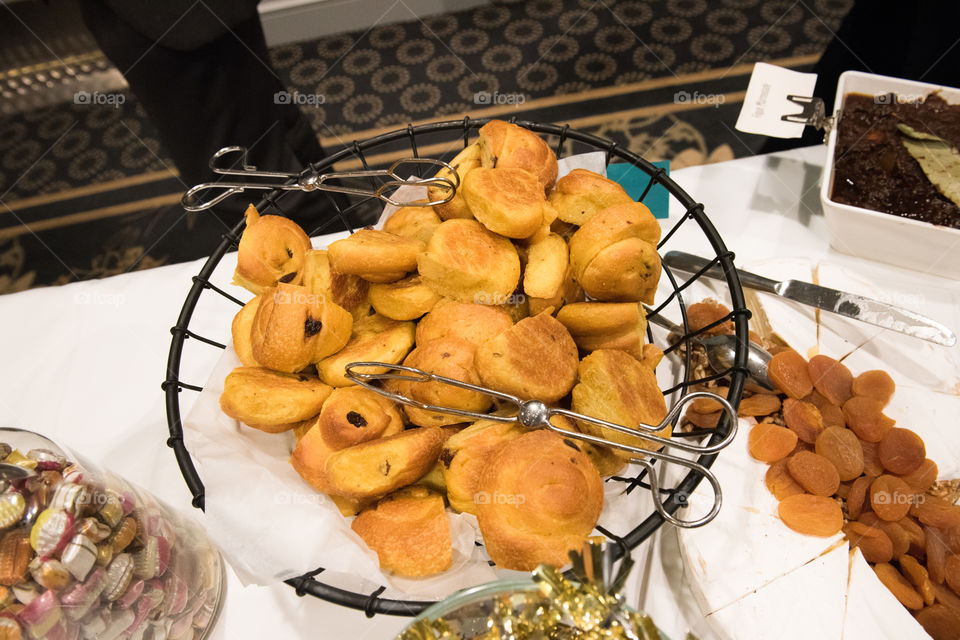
pixel 880 236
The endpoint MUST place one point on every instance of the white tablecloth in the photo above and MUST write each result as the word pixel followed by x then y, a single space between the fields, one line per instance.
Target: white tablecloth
pixel 83 364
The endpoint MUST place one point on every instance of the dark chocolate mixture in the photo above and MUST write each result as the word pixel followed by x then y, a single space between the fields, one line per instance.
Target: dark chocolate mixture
pixel 874 170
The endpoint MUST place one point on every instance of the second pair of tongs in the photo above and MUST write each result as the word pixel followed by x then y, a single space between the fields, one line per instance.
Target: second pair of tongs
pixel 535 414
pixel 311 180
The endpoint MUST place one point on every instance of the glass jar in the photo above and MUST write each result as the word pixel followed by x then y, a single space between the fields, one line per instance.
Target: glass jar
pixel 85 554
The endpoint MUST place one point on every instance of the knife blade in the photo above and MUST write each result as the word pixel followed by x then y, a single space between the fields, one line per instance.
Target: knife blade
pixel 841 303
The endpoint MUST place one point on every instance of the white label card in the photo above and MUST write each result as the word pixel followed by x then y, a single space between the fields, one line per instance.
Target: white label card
pixel 766 101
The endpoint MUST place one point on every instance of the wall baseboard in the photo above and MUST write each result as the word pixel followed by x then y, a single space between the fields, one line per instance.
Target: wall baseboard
pixel 286 21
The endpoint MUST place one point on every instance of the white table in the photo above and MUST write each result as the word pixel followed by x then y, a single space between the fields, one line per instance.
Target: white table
pixel 83 364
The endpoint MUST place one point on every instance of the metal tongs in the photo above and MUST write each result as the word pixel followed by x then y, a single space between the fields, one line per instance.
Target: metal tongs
pixel 309 180
pixel 536 414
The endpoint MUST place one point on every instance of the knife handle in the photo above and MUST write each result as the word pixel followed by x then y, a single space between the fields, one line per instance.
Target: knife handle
pixel 689 263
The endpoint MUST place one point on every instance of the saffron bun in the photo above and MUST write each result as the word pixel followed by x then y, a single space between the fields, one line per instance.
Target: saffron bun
pixel 451 358
pixel 614 254
pixel 349 416
pixel 409 531
pixel 469 263
pixel 546 268
pixel 375 256
pixel 464 162
pixel 375 338
pixel 615 387
pixel 413 222
pixel 510 146
pixel 466 454
pixel 240 330
pixel 271 250
pixel 581 193
pixel 474 323
pixel 272 401
pixel 406 299
pixel 508 201
pixel 570 291
pixel 377 467
pixel 535 359
pixel 539 497
pixel 293 328
pixel 347 290
pixel 606 325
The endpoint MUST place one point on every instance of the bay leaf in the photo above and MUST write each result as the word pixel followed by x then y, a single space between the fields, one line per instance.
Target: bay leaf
pixel 910 132
pixel 941 164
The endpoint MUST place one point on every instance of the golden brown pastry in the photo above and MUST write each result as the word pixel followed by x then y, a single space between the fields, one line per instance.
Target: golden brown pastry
pixel 570 291
pixel 535 359
pixel 349 416
pixel 606 325
pixel 614 254
pixel 271 401
pixel 377 467
pixel 348 291
pixel 581 193
pixel 375 338
pixel 409 531
pixel 413 222
pixel 294 328
pixel 451 358
pixel 466 454
pixel 606 459
pixel 467 262
pixel 406 299
pixel 465 161
pixel 505 201
pixel 509 146
pixel 375 256
pixel 539 498
pixel 475 323
pixel 546 269
pixel 271 250
pixel 617 388
pixel 241 329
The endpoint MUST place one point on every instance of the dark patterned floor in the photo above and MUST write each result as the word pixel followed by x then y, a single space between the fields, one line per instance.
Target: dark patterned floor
pixel 87 190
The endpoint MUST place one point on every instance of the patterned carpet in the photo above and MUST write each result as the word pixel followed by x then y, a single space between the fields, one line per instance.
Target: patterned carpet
pixel 86 189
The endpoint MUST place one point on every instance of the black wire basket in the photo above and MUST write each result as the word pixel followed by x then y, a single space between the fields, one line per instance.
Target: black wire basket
pixel 443 140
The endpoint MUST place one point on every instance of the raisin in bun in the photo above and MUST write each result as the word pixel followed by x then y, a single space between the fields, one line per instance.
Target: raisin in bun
pixel 347 290
pixel 507 145
pixel 271 250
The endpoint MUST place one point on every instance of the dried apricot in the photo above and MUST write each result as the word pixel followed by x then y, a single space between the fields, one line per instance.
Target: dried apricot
pixel 843 490
pixel 803 446
pixel 802 418
pixel 898 537
pixel 901 451
pixel 917 574
pixel 871 458
pixel 918 539
pixel 788 371
pixel 875 384
pixel 936 512
pixel 940 622
pixel 946 597
pixel 832 416
pixel 937 553
pixel 831 378
pixel 779 481
pixel 923 477
pixel 873 543
pixel 841 447
pixel 708 405
pixel 953 539
pixel 814 473
pixel 706 312
pixel 769 442
pixel 811 515
pixel 857 498
pixel 865 416
pixel 759 404
pixel 703 420
pixel 898 586
pixel 890 497
pixel 951 572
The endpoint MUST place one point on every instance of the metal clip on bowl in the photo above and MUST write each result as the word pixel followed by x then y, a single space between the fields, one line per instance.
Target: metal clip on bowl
pixel 310 180
pixel 536 414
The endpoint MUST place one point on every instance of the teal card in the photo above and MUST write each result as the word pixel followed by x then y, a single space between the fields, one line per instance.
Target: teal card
pixel 635 180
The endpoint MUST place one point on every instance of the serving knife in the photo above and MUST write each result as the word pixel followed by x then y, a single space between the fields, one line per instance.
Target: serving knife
pixel 850 305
